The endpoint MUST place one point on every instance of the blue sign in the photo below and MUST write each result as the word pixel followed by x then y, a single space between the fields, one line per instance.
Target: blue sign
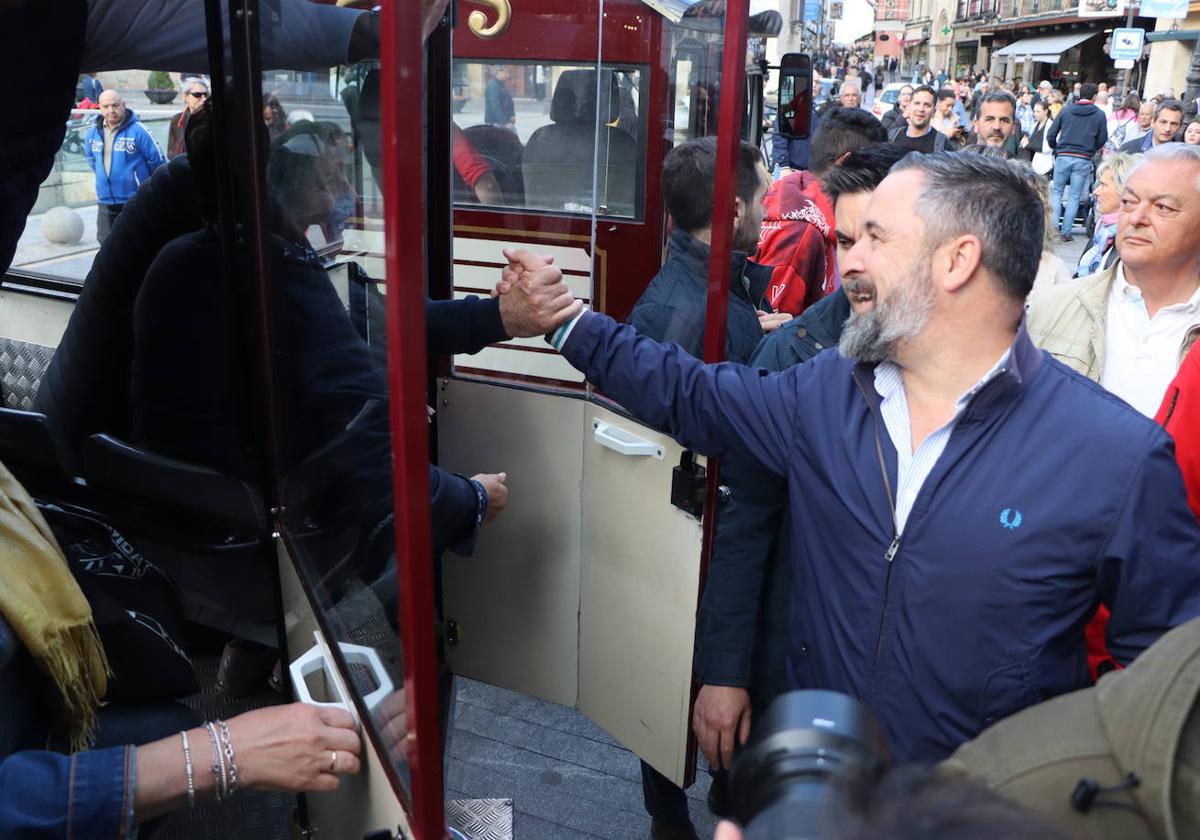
pixel 1127 44
pixel 1164 8
pixel 812 10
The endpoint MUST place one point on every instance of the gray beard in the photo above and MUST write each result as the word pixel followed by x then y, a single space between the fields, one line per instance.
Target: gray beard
pixel 872 336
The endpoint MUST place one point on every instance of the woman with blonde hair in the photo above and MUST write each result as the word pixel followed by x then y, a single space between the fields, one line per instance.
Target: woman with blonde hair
pixel 1110 183
pixel 1056 103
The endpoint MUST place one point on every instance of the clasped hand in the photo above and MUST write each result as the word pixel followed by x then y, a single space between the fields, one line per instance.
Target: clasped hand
pixel 534 300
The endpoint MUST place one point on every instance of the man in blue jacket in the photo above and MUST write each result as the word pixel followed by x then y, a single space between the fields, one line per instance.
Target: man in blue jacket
pixel 122 153
pixel 673 306
pixel 960 502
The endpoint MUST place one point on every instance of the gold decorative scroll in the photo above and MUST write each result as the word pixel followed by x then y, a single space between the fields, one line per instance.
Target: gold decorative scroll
pixel 478 23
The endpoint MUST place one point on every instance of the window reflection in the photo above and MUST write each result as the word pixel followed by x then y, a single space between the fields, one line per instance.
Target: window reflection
pixel 525 135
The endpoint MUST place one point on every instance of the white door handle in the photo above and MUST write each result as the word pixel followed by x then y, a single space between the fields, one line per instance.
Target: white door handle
pixel 314 659
pixel 627 443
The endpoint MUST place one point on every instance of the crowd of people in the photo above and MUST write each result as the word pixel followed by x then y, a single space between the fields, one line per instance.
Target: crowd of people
pixel 951 317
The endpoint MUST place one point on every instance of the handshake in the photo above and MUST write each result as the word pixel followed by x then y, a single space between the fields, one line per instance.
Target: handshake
pixel 534 300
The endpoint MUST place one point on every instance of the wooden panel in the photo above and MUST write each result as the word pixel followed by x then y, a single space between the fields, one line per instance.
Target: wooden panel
pixel 516 600
pixel 639 582
pixel 568 258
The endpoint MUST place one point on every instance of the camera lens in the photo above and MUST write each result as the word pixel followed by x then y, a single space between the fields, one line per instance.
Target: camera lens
pixel 807 755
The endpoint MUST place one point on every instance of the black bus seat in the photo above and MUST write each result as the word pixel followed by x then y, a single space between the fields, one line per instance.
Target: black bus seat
pixel 27 443
pixel 199 494
pixel 208 531
pixel 559 158
pixel 503 152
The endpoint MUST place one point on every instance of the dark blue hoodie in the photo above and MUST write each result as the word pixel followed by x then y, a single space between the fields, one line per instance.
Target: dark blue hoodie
pixel 1081 130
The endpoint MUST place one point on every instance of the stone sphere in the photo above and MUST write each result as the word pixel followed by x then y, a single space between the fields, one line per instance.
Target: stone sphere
pixel 62 226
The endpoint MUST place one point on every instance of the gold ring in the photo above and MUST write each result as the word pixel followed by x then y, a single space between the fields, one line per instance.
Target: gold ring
pixel 332 760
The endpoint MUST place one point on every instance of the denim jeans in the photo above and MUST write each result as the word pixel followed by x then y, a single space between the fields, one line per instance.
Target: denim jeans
pixel 1078 172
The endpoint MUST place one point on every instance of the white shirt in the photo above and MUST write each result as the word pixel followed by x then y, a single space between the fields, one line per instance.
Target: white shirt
pixel 912 468
pixel 1142 354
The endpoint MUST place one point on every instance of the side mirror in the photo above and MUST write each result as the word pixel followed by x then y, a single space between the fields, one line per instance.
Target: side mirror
pixel 795 96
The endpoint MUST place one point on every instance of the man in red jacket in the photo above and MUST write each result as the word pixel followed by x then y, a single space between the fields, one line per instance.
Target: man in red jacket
pixel 797 237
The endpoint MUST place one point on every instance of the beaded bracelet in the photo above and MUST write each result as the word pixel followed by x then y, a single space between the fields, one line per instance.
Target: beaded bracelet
pixel 187 767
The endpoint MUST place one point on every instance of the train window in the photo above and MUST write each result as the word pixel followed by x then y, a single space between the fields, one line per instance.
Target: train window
pixel 91 180
pixel 525 135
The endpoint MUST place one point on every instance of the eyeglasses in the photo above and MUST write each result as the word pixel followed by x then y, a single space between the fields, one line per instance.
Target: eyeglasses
pixel 195 95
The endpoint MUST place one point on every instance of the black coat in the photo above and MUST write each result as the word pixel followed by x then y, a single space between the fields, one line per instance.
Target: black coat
pixel 498 106
pixel 741 629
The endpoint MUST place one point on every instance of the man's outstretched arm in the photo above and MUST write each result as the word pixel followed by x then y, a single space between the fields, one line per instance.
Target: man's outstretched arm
pixel 709 408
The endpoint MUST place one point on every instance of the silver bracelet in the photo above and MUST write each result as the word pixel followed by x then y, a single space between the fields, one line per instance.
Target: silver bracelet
pixel 228 742
pixel 187 767
pixel 220 784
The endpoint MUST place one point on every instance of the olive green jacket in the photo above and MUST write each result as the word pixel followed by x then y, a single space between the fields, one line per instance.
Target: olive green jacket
pixel 1069 321
pixel 1143 720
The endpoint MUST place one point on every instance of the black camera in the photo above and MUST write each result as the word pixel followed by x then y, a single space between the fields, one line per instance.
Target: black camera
pixel 808 760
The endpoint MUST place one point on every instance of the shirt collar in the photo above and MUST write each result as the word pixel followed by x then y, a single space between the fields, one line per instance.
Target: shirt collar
pixel 1128 291
pixel 889 380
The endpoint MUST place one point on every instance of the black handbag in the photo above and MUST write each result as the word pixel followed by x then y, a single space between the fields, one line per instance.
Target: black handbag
pixel 135 605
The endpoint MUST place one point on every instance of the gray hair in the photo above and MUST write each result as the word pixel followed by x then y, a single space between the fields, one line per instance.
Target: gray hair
pixel 202 83
pixel 1171 152
pixel 994 200
pixel 1169 105
pixel 853 82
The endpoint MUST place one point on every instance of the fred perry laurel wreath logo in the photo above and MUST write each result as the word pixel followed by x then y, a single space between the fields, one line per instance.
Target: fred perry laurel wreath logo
pixel 1010 519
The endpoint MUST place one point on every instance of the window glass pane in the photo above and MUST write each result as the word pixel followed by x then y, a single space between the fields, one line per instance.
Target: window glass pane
pixel 96 171
pixel 525 136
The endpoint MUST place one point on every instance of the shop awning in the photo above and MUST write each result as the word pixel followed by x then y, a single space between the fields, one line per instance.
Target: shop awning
pixel 1047 48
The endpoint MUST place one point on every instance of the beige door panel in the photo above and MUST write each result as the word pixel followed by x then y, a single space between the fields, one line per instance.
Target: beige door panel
pixel 639 583
pixel 516 599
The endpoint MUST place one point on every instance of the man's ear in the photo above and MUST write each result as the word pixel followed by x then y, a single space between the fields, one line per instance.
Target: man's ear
pixel 739 210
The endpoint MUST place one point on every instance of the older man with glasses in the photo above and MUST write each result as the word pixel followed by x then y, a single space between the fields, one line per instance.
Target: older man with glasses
pixel 193 99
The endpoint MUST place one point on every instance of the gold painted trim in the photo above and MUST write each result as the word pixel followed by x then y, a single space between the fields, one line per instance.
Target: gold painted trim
pixel 477 21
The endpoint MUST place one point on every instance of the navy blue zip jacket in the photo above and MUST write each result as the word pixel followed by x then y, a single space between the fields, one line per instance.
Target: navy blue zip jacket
pixel 1052 496
pixel 673 307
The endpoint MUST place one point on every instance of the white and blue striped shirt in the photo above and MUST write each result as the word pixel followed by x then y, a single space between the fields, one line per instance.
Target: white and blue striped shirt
pixel 912 468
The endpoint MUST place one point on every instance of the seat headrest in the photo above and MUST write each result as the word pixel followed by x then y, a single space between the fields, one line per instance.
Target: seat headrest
pixel 574 100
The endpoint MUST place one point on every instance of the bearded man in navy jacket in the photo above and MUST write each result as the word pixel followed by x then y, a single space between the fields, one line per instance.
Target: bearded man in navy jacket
pixel 961 502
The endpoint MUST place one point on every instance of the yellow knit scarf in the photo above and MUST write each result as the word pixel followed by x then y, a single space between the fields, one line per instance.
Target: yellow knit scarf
pixel 47 610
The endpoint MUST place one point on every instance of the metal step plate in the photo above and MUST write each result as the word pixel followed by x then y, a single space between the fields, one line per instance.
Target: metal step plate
pixel 481 819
